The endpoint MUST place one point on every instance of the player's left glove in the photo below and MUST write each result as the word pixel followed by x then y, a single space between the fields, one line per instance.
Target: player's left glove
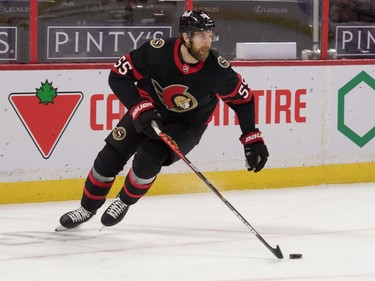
pixel 256 151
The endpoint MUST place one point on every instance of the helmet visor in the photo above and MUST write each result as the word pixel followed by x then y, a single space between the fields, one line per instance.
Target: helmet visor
pixel 201 36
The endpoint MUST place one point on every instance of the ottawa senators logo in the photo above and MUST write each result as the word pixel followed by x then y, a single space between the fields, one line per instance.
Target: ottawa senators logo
pixel 223 62
pixel 119 133
pixel 175 97
pixel 157 43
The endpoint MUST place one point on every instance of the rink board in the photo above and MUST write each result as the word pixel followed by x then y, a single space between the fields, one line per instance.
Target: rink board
pixel 182 183
pixel 317 120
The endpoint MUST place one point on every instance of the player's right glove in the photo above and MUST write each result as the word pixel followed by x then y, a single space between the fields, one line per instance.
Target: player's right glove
pixel 142 114
pixel 256 151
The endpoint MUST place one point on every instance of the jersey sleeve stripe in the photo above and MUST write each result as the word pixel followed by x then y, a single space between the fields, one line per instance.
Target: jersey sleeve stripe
pixel 235 91
pixel 236 97
pixel 136 74
pixel 145 95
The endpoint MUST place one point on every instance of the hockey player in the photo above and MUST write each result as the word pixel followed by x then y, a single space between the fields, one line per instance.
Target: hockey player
pixel 176 83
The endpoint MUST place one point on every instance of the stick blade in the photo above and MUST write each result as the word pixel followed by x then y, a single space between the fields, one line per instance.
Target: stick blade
pixel 277 252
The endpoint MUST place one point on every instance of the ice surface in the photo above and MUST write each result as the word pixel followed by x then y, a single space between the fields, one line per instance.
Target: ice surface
pixel 196 237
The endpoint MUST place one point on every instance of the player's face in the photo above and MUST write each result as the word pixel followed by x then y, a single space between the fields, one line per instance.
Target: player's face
pixel 201 45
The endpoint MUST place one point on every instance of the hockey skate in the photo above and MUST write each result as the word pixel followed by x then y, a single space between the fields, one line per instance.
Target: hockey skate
pixel 74 219
pixel 114 213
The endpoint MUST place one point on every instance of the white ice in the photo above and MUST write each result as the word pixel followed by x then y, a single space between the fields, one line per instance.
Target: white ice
pixel 196 237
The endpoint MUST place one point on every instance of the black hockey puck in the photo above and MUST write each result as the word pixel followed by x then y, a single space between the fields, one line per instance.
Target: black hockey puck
pixel 295 256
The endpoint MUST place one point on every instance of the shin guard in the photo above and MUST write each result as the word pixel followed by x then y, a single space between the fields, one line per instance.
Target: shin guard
pixel 95 192
pixel 132 191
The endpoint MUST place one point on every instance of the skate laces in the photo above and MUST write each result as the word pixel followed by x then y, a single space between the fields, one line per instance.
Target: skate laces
pixel 79 215
pixel 116 208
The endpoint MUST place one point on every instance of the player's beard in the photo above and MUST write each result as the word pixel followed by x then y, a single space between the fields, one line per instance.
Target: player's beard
pixel 200 54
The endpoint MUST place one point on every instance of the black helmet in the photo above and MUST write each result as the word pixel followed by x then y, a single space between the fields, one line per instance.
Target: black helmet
pixel 191 21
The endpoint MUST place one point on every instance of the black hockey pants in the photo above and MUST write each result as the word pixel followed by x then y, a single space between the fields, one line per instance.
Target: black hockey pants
pixel 149 156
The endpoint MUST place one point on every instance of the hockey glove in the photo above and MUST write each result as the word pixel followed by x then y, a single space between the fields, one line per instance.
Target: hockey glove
pixel 256 151
pixel 142 114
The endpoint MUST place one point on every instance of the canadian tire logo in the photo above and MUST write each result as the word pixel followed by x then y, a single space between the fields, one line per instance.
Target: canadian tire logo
pixel 45 114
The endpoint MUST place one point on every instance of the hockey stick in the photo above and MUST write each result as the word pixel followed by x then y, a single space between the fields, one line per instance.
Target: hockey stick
pixel 172 145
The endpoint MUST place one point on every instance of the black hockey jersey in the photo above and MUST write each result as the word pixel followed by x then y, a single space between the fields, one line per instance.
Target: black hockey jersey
pixel 188 93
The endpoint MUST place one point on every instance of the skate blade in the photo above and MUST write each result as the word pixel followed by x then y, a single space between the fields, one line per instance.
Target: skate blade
pixel 61 228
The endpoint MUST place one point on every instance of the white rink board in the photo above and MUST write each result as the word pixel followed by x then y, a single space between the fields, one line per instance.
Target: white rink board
pixel 297 114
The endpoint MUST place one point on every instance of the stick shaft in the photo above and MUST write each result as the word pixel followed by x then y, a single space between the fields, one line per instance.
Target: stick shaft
pixel 167 140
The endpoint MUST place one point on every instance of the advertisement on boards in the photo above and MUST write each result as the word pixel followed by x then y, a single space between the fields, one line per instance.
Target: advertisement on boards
pixel 8 43
pixel 352 130
pixel 98 42
pixel 54 123
pixel 48 134
pixel 355 40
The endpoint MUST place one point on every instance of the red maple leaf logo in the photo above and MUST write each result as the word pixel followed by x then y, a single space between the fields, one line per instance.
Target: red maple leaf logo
pixel 46 114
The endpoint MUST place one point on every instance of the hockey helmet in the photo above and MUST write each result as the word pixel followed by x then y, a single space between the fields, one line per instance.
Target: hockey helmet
pixel 191 21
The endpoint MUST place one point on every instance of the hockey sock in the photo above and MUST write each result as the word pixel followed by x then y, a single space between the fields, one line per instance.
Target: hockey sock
pixel 95 191
pixel 134 188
